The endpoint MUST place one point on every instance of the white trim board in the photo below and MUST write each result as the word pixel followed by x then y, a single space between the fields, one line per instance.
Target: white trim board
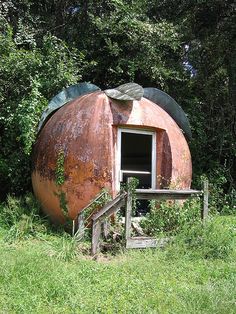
pixel 118 154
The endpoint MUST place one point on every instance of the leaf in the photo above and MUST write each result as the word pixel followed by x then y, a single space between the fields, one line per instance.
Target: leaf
pixel 168 104
pixel 129 91
pixel 68 94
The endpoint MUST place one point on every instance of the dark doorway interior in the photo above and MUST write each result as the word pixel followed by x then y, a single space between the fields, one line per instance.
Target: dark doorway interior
pixel 136 161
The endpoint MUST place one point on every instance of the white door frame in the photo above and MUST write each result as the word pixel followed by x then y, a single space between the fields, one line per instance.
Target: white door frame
pixel 153 167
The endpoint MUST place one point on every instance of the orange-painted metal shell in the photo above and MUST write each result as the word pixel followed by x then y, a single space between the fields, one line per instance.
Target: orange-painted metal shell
pixel 84 133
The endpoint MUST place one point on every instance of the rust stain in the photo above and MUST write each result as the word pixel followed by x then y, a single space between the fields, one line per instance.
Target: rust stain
pixel 85 130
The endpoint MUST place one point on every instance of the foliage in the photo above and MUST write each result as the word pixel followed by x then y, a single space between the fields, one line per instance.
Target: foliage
pixel 170 217
pixel 215 239
pixel 131 187
pixel 185 48
pixel 103 197
pixel 208 30
pixel 115 29
pixel 28 79
pixel 59 173
pixel 21 217
pixel 219 201
pixel 119 29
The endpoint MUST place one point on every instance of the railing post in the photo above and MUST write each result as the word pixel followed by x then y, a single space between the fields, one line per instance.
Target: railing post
pixel 81 224
pixel 105 228
pixel 205 199
pixel 128 211
pixel 78 225
pixel 96 233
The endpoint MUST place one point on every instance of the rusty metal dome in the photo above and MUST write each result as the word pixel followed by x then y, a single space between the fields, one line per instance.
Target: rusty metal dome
pixel 75 155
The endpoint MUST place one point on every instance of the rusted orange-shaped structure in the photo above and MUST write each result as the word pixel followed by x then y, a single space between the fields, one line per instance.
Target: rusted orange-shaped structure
pixel 95 142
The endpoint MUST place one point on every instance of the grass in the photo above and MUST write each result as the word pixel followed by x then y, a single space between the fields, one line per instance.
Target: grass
pixel 46 272
pixel 137 282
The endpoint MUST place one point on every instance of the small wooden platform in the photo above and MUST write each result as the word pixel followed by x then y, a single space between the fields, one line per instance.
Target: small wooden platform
pixel 145 242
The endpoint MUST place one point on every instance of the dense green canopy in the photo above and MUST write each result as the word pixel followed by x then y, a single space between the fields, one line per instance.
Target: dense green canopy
pixel 185 48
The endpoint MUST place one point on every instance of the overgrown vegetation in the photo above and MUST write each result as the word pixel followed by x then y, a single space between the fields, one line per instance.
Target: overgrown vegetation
pixel 102 198
pixel 216 239
pixel 21 218
pixel 195 273
pixel 171 217
pixel 29 78
pixel 60 172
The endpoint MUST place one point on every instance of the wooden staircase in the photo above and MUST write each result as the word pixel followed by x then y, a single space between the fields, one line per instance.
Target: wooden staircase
pixel 125 199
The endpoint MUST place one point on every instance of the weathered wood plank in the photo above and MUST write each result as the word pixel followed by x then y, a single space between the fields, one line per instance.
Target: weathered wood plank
pixel 110 207
pixel 96 233
pixel 105 228
pixel 80 225
pixel 148 194
pixel 145 242
pixel 128 211
pixel 167 191
pixel 205 200
pixel 97 197
pixel 77 221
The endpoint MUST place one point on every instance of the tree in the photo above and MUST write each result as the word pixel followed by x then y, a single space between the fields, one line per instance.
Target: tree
pixel 29 78
pixel 185 47
pixel 208 29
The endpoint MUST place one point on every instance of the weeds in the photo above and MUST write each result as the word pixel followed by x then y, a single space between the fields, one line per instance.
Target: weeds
pixel 213 239
pixel 63 248
pixel 21 220
pixel 170 217
pixel 21 217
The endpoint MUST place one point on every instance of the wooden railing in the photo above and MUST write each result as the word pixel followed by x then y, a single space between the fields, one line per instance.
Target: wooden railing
pixel 98 219
pixel 78 222
pixel 149 194
pixel 125 198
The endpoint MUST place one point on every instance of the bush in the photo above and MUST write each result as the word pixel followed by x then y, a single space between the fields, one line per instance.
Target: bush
pixel 170 217
pixel 222 198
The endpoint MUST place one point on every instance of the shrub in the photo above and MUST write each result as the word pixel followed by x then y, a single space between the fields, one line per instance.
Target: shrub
pixel 222 195
pixel 170 217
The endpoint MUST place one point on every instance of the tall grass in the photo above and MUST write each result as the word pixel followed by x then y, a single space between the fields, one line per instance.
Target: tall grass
pixel 42 271
pixel 21 217
pixel 213 239
pixel 150 281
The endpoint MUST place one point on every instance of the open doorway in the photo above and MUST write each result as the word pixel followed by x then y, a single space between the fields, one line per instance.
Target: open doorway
pixel 137 158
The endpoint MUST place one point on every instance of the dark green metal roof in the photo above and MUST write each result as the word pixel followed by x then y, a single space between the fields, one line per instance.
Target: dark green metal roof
pixel 168 104
pixel 64 97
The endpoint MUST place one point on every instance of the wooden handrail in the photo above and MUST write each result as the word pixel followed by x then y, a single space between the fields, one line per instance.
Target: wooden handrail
pixel 77 222
pixel 147 194
pixel 106 211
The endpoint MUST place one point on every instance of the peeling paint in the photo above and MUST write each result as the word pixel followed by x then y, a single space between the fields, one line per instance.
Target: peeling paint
pixel 86 130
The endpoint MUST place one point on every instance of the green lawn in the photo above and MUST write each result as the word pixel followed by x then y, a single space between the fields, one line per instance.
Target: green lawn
pixel 41 275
